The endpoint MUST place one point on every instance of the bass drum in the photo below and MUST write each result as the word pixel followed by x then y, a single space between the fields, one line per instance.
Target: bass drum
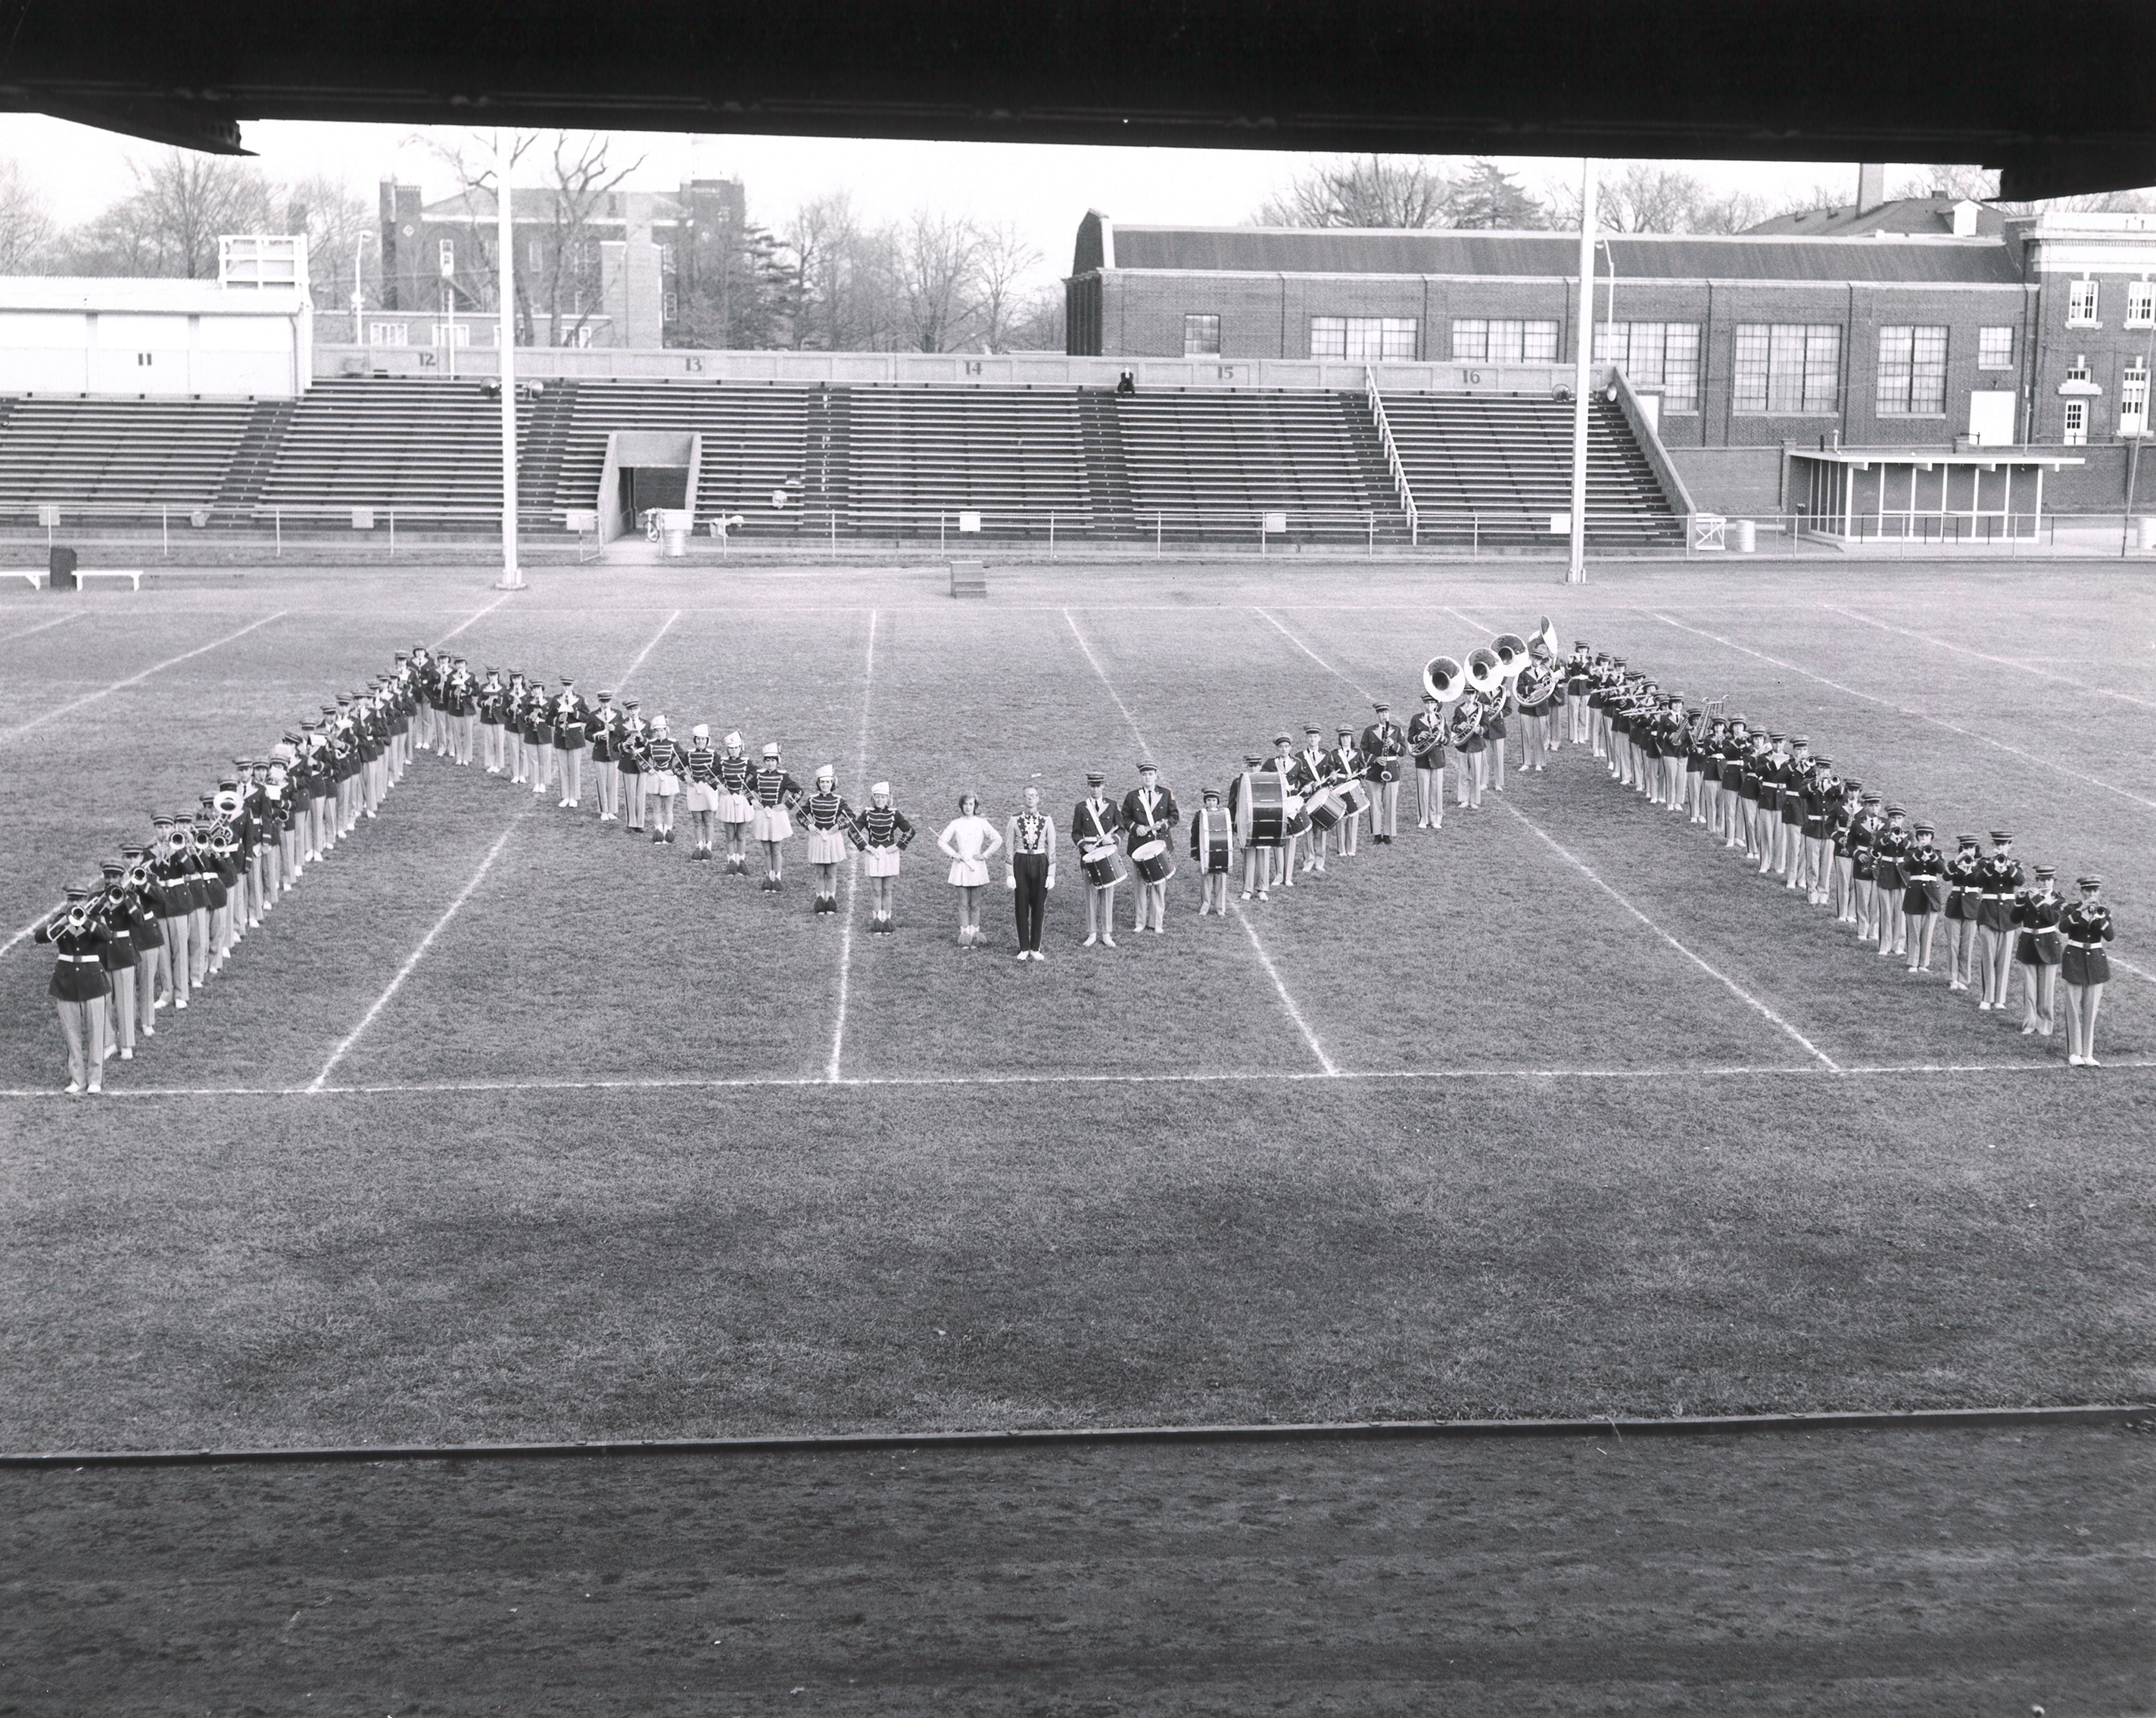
pixel 1151 861
pixel 1266 794
pixel 1103 864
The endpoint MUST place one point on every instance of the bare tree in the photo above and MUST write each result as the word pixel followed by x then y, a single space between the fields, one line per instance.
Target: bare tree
pixel 1946 179
pixel 342 254
pixel 1651 197
pixel 1037 322
pixel 1003 259
pixel 170 223
pixel 1363 191
pixel 25 228
pixel 1485 197
pixel 939 263
pixel 1732 212
pixel 843 277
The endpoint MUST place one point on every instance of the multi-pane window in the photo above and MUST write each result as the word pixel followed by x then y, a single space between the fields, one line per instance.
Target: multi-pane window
pixel 1667 353
pixel 452 333
pixel 1481 341
pixel 1201 336
pixel 2077 433
pixel 1788 367
pixel 389 334
pixel 2080 304
pixel 449 258
pixel 2141 304
pixel 1363 339
pixel 669 306
pixel 2133 398
pixel 1994 348
pixel 1913 371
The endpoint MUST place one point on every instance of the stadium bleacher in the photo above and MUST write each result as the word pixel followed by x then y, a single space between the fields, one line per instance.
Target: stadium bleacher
pixel 873 460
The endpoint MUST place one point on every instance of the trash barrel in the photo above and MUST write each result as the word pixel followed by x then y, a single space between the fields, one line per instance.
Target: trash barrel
pixel 62 566
pixel 675 524
pixel 1747 536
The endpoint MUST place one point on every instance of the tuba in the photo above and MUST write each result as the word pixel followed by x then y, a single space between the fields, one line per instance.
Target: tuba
pixel 1485 670
pixel 1511 654
pixel 1545 638
pixel 1444 679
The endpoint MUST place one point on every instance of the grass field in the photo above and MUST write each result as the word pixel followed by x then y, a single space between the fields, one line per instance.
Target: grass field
pixel 1557 1111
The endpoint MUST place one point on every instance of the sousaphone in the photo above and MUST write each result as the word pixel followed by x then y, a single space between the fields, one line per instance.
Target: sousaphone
pixel 1444 679
pixel 1485 672
pixel 1511 654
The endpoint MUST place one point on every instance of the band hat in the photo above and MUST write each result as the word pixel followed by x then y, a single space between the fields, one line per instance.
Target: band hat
pixel 1252 758
pixel 160 821
pixel 1872 799
pixel 1381 707
pixel 1347 727
pixel 494 670
pixel 132 851
pixel 606 698
pixel 1312 728
pixel 1926 829
pixel 770 750
pixel 659 722
pixel 699 731
pixel 565 680
pixel 1800 740
pixel 1896 812
pixel 1288 739
pixel 2047 870
pixel 880 787
pixel 2000 835
pixel 1427 698
pixel 78 891
pixel 1970 841
pixel 734 741
pixel 110 868
pixel 2089 882
pixel 826 773
pixel 1211 793
pixel 1148 767
pixel 1094 777
pixel 632 704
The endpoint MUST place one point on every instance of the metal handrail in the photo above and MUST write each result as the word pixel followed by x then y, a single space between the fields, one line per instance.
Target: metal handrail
pixel 1392 452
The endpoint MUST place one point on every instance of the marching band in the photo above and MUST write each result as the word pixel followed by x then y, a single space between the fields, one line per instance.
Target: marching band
pixel 163 920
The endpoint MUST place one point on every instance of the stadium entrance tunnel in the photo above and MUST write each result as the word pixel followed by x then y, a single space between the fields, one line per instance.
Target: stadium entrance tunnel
pixel 646 468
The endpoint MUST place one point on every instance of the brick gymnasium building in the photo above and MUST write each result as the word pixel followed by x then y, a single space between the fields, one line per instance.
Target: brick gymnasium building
pixel 1925 324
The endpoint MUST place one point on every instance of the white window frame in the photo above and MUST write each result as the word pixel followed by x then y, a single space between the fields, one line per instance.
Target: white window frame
pixel 458 334
pixel 2083 299
pixel 1664 354
pixel 2133 398
pixel 2076 433
pixel 1808 353
pixel 1909 383
pixel 669 306
pixel 1987 348
pixel 388 333
pixel 447 256
pixel 1189 350
pixel 2141 304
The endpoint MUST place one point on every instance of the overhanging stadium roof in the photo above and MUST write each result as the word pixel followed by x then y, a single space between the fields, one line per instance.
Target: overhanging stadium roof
pixel 1301 250
pixel 2054 98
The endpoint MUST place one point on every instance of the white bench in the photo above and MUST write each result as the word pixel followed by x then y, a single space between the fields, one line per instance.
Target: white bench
pixel 34 577
pixel 133 575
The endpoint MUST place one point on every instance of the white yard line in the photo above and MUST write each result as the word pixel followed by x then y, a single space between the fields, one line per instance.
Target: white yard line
pixel 469 619
pixel 853 870
pixel 1720 977
pixel 638 661
pixel 39 722
pixel 25 931
pixel 42 626
pixel 1280 985
pixel 1313 655
pixel 1904 710
pixel 1713 972
pixel 1407 1076
pixel 2072 680
pixel 412 960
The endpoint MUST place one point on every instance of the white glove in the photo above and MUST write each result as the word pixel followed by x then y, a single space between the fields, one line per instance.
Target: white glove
pixel 1051 877
pixel 1010 881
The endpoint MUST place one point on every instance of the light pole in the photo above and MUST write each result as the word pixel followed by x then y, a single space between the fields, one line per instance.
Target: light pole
pixel 512 577
pixel 1609 319
pixel 1576 570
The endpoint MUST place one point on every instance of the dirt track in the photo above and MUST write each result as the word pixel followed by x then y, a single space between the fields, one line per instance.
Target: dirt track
pixel 1920 1572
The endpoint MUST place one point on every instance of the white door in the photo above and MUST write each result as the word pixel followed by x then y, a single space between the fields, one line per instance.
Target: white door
pixel 2076 423
pixel 1991 418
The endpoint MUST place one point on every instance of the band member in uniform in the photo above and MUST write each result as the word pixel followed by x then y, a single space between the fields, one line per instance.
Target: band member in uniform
pixel 776 793
pixel 1471 751
pixel 1497 730
pixel 1343 764
pixel 147 928
pixel 1093 825
pixel 1281 860
pixel 606 732
pixel 630 750
pixel 1822 792
pixel 1150 814
pixel 1257 871
pixel 116 921
pixel 2038 945
pixel 662 755
pixel 1029 871
pixel 515 707
pixel 699 790
pixel 971 841
pixel 829 819
pixel 539 736
pixel 1425 740
pixel 1963 893
pixel 2084 970
pixel 1923 876
pixel 1841 893
pixel 1313 773
pixel 1384 744
pixel 573 720
pixel 80 986
pixel 1578 689
pixel 1538 689
pixel 881 833
pixel 460 697
pixel 493 700
pixel 1213 850
pixel 1863 836
pixel 1999 881
pixel 736 812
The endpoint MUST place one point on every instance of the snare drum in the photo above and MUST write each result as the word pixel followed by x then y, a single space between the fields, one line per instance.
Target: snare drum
pixel 1153 861
pixel 1322 807
pixel 1103 863
pixel 1354 799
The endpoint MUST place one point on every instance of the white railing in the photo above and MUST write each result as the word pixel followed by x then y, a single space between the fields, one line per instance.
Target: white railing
pixel 1391 453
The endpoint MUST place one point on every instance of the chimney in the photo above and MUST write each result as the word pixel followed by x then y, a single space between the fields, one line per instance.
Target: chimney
pixel 1871 186
pixel 1965 219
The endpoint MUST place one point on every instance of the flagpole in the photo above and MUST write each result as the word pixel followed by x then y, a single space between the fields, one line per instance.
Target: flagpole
pixel 511 577
pixel 1576 572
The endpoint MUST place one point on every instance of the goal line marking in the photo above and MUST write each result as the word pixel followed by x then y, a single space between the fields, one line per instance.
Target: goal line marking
pixel 1408 1076
pixel 42 626
pixel 1712 971
pixel 479 614
pixel 853 871
pixel 1903 709
pixel 1280 985
pixel 58 711
pixel 2102 691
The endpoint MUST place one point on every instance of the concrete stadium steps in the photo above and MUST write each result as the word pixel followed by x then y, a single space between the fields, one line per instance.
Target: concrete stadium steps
pixel 117 455
pixel 917 456
pixel 257 452
pixel 1506 460
pixel 430 450
pixel 1209 463
pixel 1107 475
pixel 755 438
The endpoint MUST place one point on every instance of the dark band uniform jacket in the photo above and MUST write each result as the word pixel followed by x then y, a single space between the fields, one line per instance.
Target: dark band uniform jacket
pixel 2087 927
pixel 1150 817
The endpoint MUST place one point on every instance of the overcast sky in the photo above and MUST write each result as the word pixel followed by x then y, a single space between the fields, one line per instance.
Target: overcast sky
pixel 1043 188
